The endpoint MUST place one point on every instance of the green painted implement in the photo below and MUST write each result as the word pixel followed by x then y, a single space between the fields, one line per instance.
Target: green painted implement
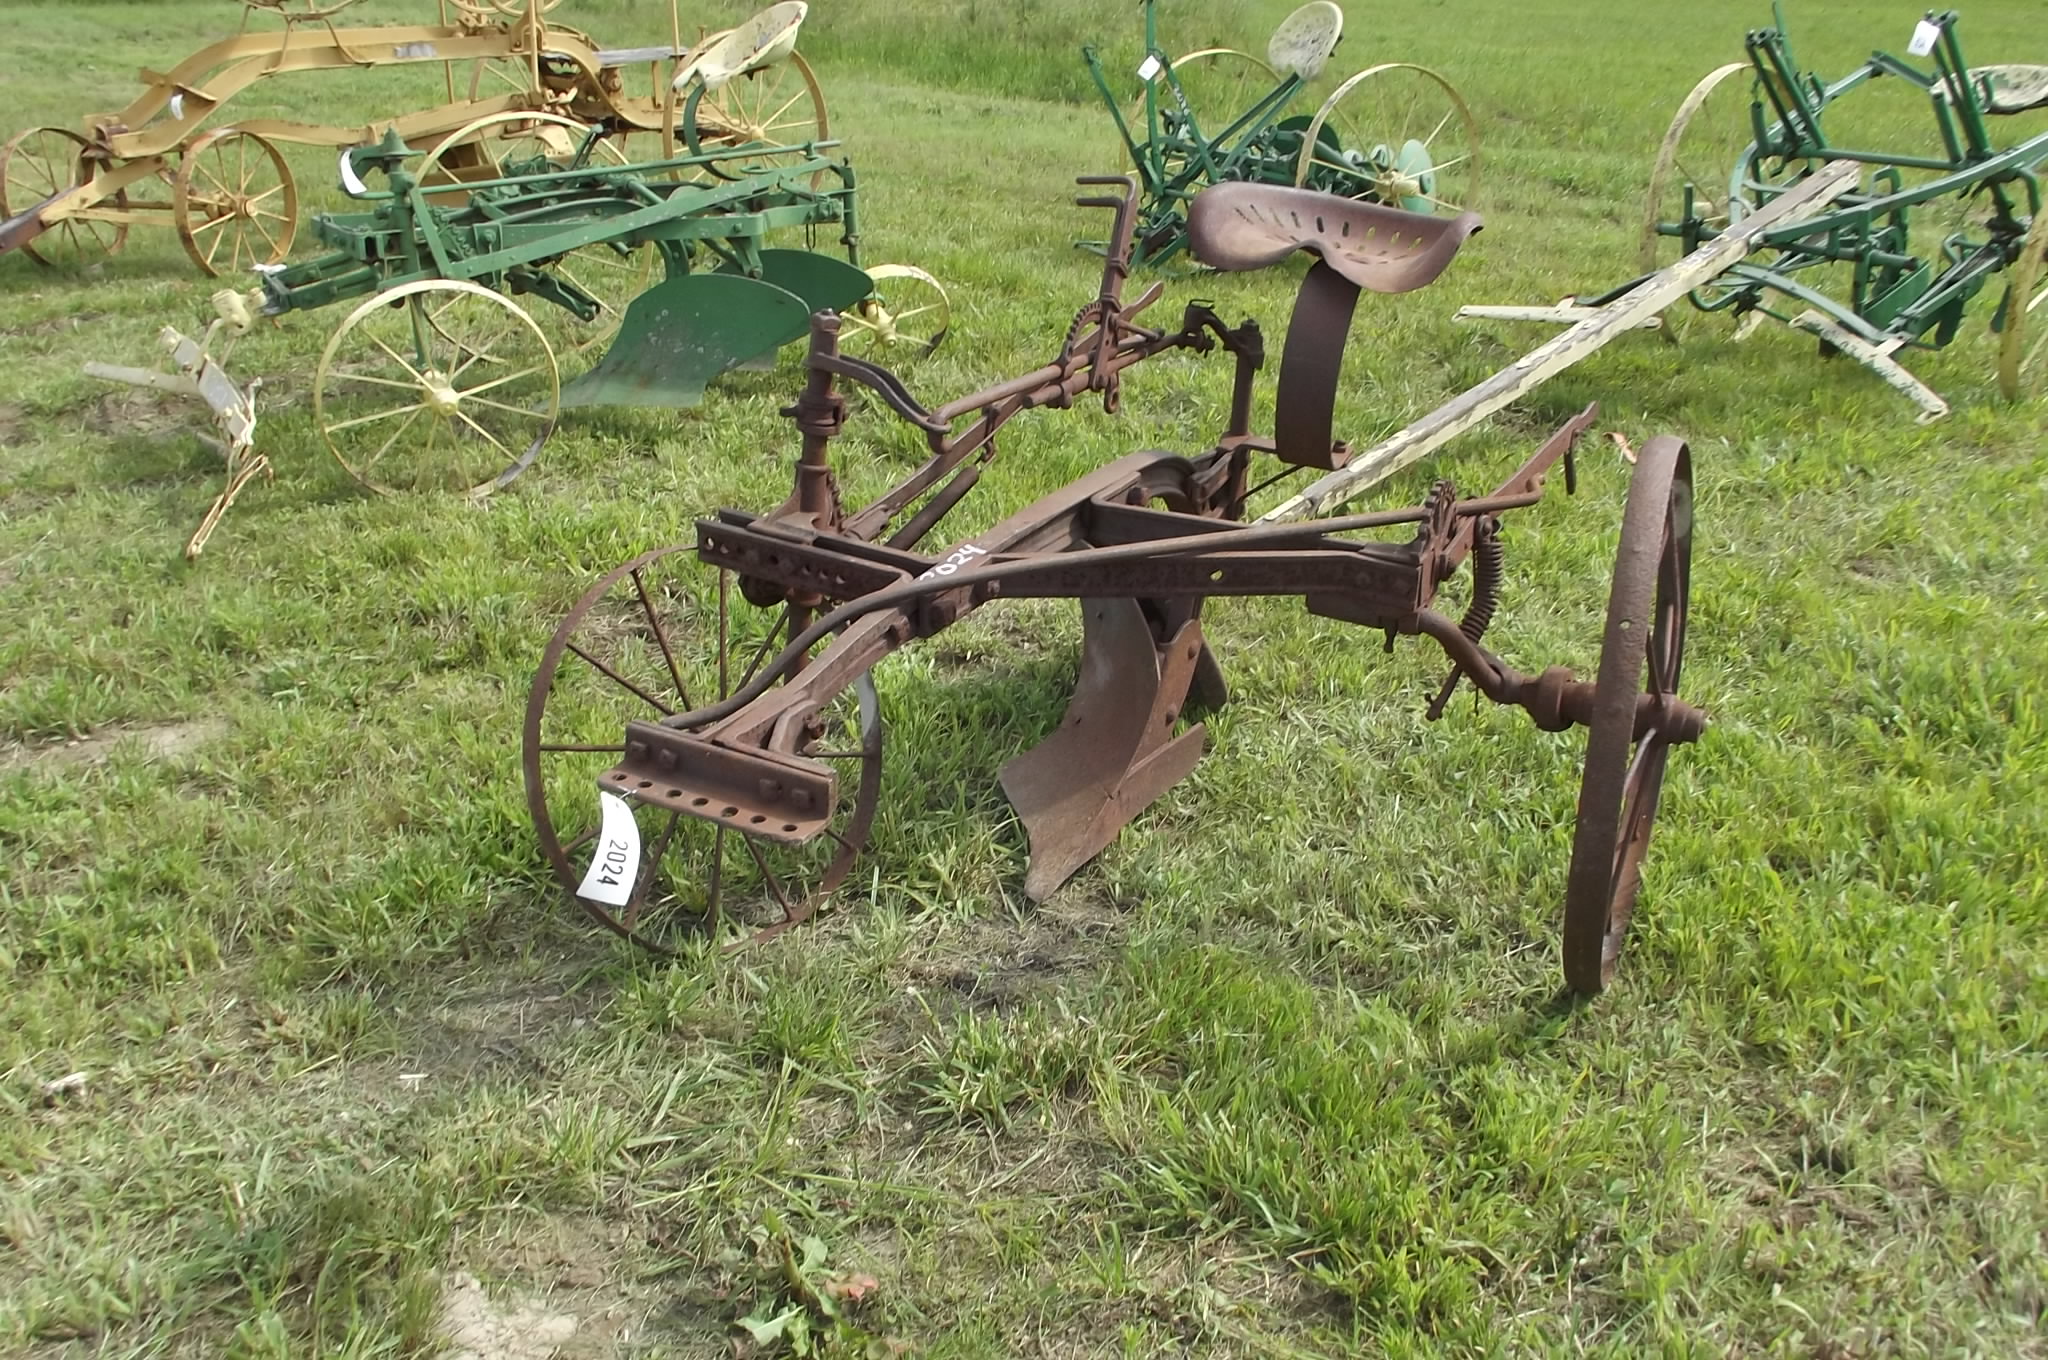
pixel 658 272
pixel 1394 133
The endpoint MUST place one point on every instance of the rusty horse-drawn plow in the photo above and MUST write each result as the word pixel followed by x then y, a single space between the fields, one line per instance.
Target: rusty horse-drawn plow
pixel 703 742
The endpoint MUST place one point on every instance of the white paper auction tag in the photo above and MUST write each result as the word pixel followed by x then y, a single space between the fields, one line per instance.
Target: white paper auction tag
pixel 617 862
pixel 1150 68
pixel 1926 34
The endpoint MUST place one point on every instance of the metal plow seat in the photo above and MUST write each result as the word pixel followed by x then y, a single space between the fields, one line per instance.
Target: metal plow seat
pixel 1240 226
pixel 1249 226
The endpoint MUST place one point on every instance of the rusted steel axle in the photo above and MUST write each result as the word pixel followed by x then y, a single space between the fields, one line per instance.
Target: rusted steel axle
pixel 745 784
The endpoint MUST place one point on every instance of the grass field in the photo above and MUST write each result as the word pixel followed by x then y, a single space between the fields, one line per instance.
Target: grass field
pixel 1285 1072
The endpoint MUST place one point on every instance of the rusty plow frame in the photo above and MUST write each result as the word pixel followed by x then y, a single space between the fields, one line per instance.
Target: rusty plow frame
pixel 679 790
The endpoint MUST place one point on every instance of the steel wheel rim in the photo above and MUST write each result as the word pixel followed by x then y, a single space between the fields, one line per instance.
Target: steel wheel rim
pixel 1623 777
pixel 642 688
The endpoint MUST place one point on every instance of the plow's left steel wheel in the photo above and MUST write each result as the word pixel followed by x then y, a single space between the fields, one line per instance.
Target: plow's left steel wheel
pixel 907 316
pixel 234 202
pixel 656 638
pixel 1397 134
pixel 1642 652
pixel 437 385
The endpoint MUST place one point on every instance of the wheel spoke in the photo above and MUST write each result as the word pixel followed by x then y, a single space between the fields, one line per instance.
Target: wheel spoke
pixel 661 638
pixel 622 682
pixel 1449 114
pixel 352 422
pixel 375 381
pixel 528 412
pixel 379 343
pixel 464 417
pixel 390 443
pixel 469 392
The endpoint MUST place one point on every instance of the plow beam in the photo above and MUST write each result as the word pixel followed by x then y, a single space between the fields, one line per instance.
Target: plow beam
pixel 1113 753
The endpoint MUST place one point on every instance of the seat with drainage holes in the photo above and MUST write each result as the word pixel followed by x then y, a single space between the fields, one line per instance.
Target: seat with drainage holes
pixel 1357 245
pixel 1249 226
pixel 2008 89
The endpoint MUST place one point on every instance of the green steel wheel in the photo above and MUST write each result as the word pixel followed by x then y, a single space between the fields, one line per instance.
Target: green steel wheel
pixel 1397 134
pixel 436 385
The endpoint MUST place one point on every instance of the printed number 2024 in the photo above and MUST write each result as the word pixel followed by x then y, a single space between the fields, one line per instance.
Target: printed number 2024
pixel 617 855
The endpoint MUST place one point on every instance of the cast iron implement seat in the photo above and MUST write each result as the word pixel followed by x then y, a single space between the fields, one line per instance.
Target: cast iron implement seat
pixel 1357 245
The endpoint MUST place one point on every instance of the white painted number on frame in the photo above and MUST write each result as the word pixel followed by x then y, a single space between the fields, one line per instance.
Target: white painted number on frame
pixel 617 862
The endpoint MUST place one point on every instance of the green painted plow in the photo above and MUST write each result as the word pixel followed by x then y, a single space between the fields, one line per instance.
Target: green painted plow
pixel 1393 133
pixel 1936 211
pixel 659 275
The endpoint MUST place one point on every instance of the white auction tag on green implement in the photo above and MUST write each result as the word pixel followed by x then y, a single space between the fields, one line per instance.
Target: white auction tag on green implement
pixel 617 862
pixel 1925 35
pixel 1150 67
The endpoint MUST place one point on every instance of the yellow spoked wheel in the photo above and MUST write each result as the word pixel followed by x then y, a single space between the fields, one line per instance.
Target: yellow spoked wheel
pixel 437 385
pixel 1397 134
pixel 487 147
pixel 778 105
pixel 45 161
pixel 1707 136
pixel 234 202
pixel 908 314
pixel 613 276
pixel 2023 348
pixel 1219 82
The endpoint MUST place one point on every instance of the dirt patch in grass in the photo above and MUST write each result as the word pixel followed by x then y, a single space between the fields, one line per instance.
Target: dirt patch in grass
pixel 990 963
pixel 479 1327
pixel 156 741
pixel 53 325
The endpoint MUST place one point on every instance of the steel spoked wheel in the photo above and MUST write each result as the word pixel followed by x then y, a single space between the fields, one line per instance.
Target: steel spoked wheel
pixel 48 160
pixel 2023 347
pixel 1219 83
pixel 1397 134
pixel 437 385
pixel 779 105
pixel 1642 653
pixel 908 315
pixel 503 144
pixel 655 639
pixel 234 202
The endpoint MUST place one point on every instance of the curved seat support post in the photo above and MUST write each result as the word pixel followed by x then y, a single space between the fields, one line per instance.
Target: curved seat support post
pixel 1242 225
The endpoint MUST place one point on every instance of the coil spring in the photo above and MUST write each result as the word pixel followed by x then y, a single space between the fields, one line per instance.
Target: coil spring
pixel 1489 561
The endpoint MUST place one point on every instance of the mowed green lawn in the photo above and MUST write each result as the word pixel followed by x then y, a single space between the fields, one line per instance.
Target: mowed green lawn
pixel 1285 1072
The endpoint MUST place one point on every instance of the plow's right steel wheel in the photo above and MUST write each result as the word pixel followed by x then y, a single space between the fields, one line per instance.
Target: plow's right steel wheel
pixel 1397 134
pixel 234 202
pixel 2023 348
pixel 48 160
pixel 437 385
pixel 1643 651
pixel 660 636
